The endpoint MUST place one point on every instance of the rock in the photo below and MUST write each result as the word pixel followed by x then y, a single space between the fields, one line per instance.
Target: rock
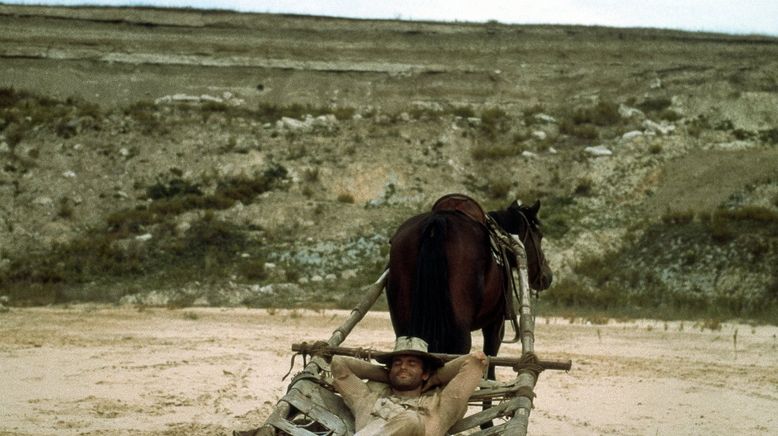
pixel 144 237
pixel 328 121
pixel 4 148
pixel 69 174
pixel 630 112
pixel 598 151
pixel 539 135
pixel 431 106
pixel 210 98
pixel 330 277
pixel 631 135
pixel 545 118
pixel 182 227
pixel 474 121
pixel 322 121
pixel 348 274
pixel 162 100
pixel 185 98
pixel 281 288
pixel 663 128
pixel 528 154
pixel 656 83
pixel 552 150
pixel 43 201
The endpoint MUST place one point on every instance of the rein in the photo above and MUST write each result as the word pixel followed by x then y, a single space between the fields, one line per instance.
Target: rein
pixel 527 235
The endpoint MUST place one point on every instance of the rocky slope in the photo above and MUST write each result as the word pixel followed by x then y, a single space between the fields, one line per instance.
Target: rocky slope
pixel 192 157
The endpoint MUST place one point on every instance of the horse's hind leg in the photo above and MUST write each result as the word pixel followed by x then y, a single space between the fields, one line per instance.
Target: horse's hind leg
pixel 492 339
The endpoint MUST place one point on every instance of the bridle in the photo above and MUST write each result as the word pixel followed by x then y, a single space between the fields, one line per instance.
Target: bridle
pixel 527 235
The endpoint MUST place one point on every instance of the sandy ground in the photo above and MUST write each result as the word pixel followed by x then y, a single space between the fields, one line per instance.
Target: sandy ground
pixel 100 370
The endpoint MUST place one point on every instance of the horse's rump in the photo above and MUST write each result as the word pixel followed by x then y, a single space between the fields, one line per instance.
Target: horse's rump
pixel 440 268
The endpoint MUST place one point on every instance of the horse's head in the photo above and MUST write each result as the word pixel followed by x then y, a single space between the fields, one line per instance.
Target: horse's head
pixel 523 221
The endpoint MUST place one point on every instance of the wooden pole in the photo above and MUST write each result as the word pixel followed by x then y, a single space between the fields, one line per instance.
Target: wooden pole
pixel 281 412
pixel 520 420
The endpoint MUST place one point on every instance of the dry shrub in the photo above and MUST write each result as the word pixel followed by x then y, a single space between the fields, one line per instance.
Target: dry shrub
pixel 678 217
pixel 498 189
pixel 463 111
pixel 346 198
pixel 253 269
pixel 604 113
pixel 495 151
pixel 656 104
pixel 582 131
pixel 493 122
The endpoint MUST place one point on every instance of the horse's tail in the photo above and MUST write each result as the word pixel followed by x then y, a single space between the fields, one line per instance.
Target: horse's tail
pixel 432 317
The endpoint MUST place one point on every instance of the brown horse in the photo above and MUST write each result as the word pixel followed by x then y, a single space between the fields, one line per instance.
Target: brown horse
pixel 444 280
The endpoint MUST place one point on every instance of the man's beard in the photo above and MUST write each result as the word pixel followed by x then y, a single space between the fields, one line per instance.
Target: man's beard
pixel 406 384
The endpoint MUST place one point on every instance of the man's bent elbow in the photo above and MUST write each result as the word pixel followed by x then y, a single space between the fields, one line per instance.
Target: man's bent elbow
pixel 477 359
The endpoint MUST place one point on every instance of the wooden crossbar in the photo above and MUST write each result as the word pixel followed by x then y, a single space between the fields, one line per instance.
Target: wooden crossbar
pixel 318 349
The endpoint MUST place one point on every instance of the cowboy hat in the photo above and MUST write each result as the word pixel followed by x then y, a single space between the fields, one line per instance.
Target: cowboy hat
pixel 411 346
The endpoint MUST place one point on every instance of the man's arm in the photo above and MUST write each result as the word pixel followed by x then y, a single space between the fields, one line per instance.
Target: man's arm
pixel 347 374
pixel 473 363
pixel 460 385
pixel 342 366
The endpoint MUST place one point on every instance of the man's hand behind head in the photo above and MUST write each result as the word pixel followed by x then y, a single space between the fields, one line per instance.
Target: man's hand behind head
pixel 481 356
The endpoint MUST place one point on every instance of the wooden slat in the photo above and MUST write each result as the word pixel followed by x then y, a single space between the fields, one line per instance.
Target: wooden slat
pixel 289 428
pixel 491 393
pixel 315 411
pixel 505 408
pixel 327 399
pixel 496 430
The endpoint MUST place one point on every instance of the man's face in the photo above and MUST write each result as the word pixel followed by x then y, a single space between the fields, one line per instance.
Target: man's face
pixel 407 373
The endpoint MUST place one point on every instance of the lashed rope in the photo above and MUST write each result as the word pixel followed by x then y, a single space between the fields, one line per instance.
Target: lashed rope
pixel 529 364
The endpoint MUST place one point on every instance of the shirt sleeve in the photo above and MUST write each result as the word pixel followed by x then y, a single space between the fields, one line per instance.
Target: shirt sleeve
pixel 465 363
pixel 348 373
pixel 461 377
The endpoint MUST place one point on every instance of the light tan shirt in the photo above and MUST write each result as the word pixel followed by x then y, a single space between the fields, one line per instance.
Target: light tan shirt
pixel 377 411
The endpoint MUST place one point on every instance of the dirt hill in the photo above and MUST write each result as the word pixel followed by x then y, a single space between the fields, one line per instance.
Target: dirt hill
pixel 202 157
